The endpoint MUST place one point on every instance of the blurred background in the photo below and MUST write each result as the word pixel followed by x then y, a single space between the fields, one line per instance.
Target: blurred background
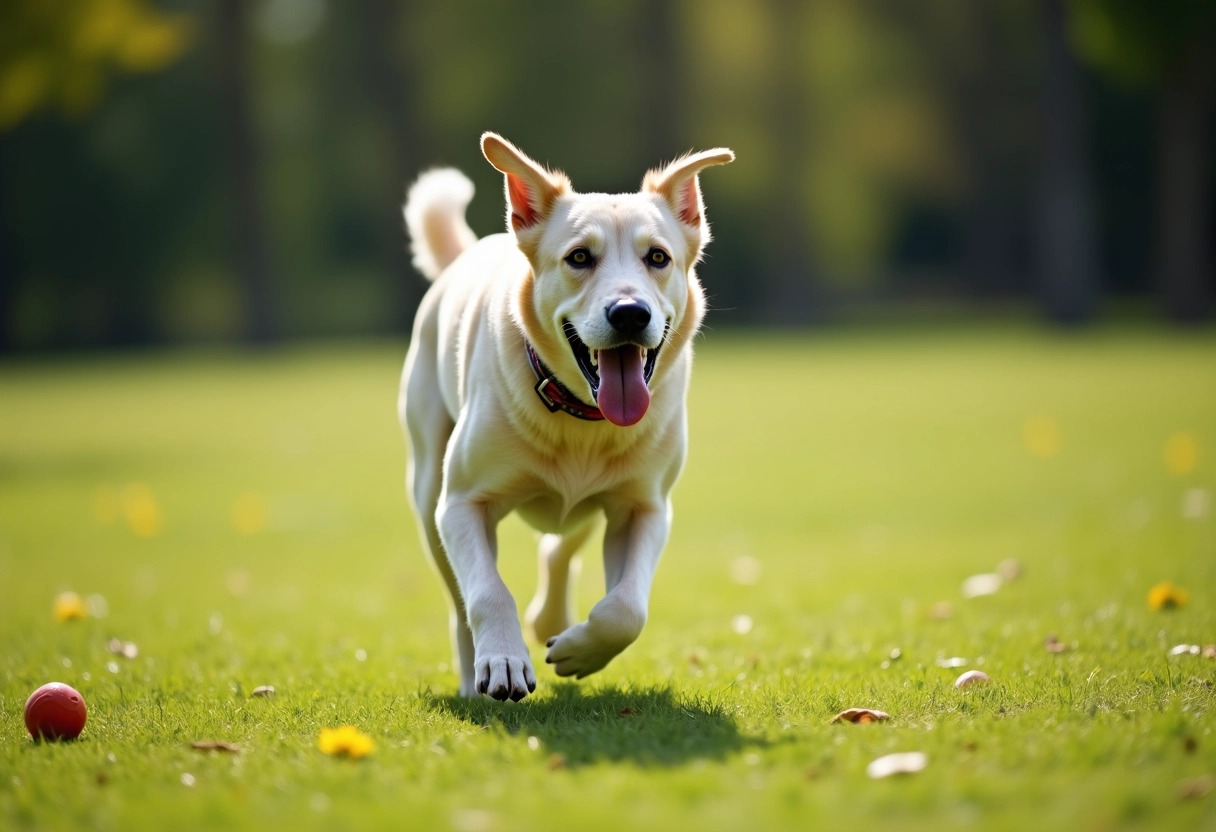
pixel 219 170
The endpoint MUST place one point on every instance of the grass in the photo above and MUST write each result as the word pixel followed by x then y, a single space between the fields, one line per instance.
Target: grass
pixel 243 518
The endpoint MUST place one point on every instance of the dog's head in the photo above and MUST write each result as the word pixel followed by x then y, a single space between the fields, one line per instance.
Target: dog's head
pixel 612 286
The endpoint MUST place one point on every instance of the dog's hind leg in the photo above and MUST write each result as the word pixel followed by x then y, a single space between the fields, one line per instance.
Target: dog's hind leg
pixel 552 609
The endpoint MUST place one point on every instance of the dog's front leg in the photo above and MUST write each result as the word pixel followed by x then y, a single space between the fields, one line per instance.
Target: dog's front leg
pixel 502 667
pixel 633 543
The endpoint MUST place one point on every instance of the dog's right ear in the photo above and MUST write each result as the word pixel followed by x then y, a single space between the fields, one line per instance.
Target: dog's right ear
pixel 531 190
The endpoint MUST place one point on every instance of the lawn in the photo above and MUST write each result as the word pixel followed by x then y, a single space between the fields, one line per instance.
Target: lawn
pixel 241 519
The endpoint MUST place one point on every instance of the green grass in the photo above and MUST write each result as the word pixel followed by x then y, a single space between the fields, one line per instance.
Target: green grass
pixel 868 474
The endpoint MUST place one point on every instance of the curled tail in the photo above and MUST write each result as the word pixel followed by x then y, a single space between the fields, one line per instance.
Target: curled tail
pixel 434 217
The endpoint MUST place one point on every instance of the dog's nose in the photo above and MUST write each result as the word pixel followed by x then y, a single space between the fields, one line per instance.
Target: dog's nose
pixel 628 316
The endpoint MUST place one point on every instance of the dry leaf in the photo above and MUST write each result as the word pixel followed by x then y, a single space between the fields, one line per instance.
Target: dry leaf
pixel 941 611
pixel 1196 787
pixel 1009 569
pixel 1054 645
pixel 978 585
pixel 909 762
pixel 627 711
pixel 124 648
pixel 556 762
pixel 861 716
pixel 215 745
pixel 972 677
pixel 263 691
pixel 1184 649
pixel 1209 651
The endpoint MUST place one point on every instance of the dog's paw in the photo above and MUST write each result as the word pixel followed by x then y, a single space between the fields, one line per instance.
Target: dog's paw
pixel 504 677
pixel 585 648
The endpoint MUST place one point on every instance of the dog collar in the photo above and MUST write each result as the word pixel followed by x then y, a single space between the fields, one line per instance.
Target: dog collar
pixel 555 395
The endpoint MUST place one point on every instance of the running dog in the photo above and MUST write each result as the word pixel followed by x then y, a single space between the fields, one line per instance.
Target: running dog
pixel 547 375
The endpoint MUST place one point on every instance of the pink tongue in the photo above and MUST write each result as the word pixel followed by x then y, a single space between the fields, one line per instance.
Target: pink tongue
pixel 623 396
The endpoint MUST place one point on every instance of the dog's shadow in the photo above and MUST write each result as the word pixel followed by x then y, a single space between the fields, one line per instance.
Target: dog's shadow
pixel 645 726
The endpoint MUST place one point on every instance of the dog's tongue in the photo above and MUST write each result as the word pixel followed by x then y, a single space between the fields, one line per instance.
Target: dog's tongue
pixel 623 396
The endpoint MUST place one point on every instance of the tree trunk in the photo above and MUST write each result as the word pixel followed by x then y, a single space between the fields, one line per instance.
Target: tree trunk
pixel 1184 220
pixel 1068 273
pixel 791 282
pixel 397 106
pixel 661 89
pixel 248 214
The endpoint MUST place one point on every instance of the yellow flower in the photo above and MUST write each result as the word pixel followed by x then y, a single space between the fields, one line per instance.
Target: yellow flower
pixel 1166 596
pixel 1041 437
pixel 1181 453
pixel 143 512
pixel 249 513
pixel 347 740
pixel 69 606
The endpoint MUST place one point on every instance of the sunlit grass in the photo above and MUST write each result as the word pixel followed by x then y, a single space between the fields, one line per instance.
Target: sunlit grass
pixel 241 520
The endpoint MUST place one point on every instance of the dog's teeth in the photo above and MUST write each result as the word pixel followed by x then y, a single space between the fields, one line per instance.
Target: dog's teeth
pixel 595 358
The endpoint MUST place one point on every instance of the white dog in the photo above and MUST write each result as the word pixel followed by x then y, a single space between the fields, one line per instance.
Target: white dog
pixel 547 376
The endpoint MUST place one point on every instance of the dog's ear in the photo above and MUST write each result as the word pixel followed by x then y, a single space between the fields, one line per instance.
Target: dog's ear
pixel 531 190
pixel 677 184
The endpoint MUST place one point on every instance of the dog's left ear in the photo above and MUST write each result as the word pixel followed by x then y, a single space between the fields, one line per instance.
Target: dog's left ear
pixel 531 190
pixel 677 184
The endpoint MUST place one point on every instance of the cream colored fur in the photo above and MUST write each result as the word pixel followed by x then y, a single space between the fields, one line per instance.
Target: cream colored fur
pixel 482 444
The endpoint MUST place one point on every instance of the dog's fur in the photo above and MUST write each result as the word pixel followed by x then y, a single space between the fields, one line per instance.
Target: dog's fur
pixel 482 442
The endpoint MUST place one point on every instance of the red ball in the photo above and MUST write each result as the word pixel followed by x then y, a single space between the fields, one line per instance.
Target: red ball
pixel 55 712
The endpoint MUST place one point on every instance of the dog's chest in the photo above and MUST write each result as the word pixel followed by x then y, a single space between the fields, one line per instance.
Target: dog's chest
pixel 565 490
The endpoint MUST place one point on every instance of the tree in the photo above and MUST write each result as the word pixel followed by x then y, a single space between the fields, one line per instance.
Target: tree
pixel 1065 233
pixel 1170 46
pixel 240 141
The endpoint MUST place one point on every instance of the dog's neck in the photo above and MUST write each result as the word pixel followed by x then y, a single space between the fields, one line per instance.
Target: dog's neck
pixel 555 395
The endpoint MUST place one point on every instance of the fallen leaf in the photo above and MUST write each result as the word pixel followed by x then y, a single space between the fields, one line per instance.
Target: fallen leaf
pixel 941 611
pixel 1009 569
pixel 908 762
pixel 263 691
pixel 556 762
pixel 1209 651
pixel 972 677
pixel 861 716
pixel 1054 645
pixel 1184 649
pixel 215 745
pixel 979 585
pixel 627 711
pixel 123 648
pixel 1196 787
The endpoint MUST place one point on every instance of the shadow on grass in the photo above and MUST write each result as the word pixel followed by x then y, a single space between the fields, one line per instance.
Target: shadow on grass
pixel 645 726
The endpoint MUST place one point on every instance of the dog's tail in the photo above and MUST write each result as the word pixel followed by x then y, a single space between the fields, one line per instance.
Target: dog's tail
pixel 434 217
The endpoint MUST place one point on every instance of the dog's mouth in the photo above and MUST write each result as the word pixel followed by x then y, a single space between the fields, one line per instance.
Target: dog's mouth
pixel 619 376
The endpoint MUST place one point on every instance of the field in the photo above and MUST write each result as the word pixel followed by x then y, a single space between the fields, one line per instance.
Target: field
pixel 240 518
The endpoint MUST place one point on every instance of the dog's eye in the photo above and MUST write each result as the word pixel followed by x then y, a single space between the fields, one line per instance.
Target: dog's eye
pixel 580 258
pixel 658 258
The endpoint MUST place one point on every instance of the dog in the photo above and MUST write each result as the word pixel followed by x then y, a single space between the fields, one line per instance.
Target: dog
pixel 547 375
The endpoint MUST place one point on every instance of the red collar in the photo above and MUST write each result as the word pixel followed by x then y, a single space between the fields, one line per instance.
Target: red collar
pixel 555 395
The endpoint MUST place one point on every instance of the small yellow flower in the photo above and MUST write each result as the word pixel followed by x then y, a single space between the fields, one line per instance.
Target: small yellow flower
pixel 142 511
pixel 249 513
pixel 1181 453
pixel 346 741
pixel 1041 437
pixel 69 606
pixel 1166 596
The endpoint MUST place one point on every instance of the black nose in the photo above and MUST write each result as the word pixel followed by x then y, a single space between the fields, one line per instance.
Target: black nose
pixel 628 316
